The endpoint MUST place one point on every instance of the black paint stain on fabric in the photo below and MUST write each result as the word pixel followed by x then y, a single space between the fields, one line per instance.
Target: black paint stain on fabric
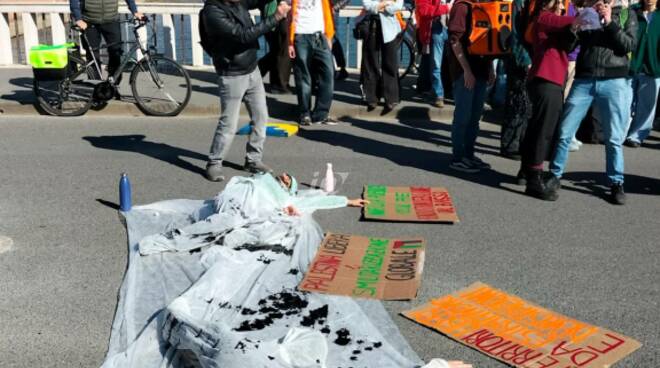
pixel 193 251
pixel 378 344
pixel 325 330
pixel 343 337
pixel 271 357
pixel 315 316
pixel 276 248
pixel 264 259
pixel 293 271
pixel 274 307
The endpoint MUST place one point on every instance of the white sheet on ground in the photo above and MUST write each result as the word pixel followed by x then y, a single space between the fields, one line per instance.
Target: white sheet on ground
pixel 213 284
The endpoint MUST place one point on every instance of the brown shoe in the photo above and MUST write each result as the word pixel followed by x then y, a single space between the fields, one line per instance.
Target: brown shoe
pixel 439 102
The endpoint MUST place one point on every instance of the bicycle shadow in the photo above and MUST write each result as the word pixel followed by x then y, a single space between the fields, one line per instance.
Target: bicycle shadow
pixel 160 151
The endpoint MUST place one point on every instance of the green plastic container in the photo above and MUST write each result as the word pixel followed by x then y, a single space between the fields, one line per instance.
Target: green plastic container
pixel 49 62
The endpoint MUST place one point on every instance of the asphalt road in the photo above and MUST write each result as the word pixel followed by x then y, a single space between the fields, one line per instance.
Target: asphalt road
pixel 579 256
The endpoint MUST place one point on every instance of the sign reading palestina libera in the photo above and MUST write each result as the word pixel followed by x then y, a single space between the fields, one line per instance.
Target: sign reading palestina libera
pixel 520 333
pixel 409 204
pixel 358 266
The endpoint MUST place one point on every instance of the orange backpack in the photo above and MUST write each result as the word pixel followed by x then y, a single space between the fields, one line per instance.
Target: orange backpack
pixel 489 27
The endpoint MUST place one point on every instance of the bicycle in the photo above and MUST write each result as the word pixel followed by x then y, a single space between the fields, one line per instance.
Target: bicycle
pixel 160 86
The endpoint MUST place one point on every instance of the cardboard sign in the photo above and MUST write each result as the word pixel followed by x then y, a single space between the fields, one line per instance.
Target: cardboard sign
pixel 357 266
pixel 409 204
pixel 520 333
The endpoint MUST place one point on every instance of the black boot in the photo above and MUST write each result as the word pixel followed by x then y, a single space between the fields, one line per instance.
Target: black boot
pixel 536 187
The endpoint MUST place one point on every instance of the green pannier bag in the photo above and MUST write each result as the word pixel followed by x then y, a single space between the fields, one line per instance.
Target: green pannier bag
pixel 49 62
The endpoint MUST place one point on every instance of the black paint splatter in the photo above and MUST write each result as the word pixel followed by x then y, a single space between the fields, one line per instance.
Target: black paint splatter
pixel 315 316
pixel 196 250
pixel 274 307
pixel 343 337
pixel 293 271
pixel 356 352
pixel 360 342
pixel 353 358
pixel 325 330
pixel 270 357
pixel 264 259
pixel 248 312
pixel 378 344
pixel 276 248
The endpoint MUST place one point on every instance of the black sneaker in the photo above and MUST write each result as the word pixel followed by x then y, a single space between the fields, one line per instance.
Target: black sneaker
pixel 257 167
pixel 632 144
pixel 617 196
pixel 521 178
pixel 464 165
pixel 552 183
pixel 305 121
pixel 479 163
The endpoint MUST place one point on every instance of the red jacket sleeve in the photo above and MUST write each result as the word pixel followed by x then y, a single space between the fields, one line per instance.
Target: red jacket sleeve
pixel 441 9
pixel 549 22
pixel 424 8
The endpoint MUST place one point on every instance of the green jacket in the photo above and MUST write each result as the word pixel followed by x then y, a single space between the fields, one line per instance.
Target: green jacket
pixel 646 58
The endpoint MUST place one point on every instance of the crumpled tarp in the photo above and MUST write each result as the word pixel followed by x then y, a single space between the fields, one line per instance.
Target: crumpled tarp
pixel 213 284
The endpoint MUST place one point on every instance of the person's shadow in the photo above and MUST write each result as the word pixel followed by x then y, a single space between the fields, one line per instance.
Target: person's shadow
pixel 160 151
pixel 588 182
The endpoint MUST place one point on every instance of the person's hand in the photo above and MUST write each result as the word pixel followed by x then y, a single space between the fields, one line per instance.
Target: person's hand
pixel 138 15
pixel 459 364
pixel 605 11
pixel 292 51
pixel 469 79
pixel 577 24
pixel 491 76
pixel 384 4
pixel 291 211
pixel 282 10
pixel 81 24
pixel 357 202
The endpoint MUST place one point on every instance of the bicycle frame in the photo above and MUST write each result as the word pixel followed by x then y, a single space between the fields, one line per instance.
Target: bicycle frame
pixel 136 45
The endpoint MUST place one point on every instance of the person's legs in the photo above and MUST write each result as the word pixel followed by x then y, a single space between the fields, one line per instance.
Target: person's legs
pixel 92 41
pixel 646 95
pixel 338 53
pixel 575 109
pixel 301 72
pixel 475 111
pixel 266 62
pixel 370 69
pixel 231 90
pixel 112 34
pixel 255 101
pixel 390 66
pixel 518 110
pixel 612 100
pixel 547 101
pixel 462 115
pixel 282 59
pixel 325 68
pixel 438 38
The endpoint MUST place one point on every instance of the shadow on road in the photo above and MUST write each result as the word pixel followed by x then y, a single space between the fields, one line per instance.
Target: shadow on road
pixel 433 161
pixel 160 151
pixel 591 182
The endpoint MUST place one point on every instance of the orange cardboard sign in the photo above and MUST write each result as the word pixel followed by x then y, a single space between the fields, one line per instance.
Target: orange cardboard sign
pixel 358 266
pixel 409 204
pixel 520 333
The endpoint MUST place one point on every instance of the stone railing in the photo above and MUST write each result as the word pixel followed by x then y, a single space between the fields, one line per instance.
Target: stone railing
pixel 26 23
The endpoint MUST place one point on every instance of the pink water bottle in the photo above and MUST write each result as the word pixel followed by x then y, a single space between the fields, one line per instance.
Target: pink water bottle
pixel 329 181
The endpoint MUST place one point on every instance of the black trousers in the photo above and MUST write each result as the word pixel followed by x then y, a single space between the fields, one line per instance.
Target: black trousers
pixel 277 61
pixel 111 33
pixel 518 109
pixel 338 53
pixel 380 65
pixel 547 102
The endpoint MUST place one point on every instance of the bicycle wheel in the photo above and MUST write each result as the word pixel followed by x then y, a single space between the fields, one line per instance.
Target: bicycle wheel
pixel 160 86
pixel 407 56
pixel 72 96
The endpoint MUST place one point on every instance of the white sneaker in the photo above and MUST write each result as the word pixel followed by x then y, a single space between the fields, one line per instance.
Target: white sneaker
pixel 575 145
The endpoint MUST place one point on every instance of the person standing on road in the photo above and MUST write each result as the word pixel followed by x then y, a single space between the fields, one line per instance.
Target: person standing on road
pixel 645 68
pixel 432 31
pixel 310 41
pixel 470 75
pixel 99 19
pixel 232 39
pixel 554 37
pixel 380 64
pixel 601 77
pixel 276 61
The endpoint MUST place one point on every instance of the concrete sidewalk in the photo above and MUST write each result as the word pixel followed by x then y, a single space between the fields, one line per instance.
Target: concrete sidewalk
pixel 17 98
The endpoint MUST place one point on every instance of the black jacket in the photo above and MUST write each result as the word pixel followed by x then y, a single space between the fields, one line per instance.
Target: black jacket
pixel 231 36
pixel 604 52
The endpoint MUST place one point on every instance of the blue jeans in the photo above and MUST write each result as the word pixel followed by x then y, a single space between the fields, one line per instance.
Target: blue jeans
pixel 438 38
pixel 313 55
pixel 469 104
pixel 612 99
pixel 646 90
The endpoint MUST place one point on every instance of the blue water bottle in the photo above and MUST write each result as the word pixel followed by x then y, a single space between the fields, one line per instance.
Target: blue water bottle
pixel 124 193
